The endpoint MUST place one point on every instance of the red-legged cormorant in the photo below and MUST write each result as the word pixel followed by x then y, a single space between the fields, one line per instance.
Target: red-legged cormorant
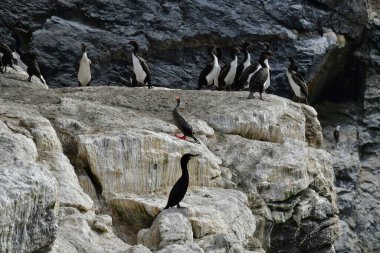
pixel 259 81
pixel 181 123
pixel 7 58
pixel 140 67
pixel 84 67
pixel 27 60
pixel 243 65
pixel 207 75
pixel 297 81
pixel 179 189
pixel 228 72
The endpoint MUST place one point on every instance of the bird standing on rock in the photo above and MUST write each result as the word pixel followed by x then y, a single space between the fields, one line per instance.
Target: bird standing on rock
pixel 27 61
pixel 179 189
pixel 228 72
pixel 84 67
pixel 140 68
pixel 336 134
pixel 181 123
pixel 245 77
pixel 7 58
pixel 297 81
pixel 207 76
pixel 243 65
pixel 260 79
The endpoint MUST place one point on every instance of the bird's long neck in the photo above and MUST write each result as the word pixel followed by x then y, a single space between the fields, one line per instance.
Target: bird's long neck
pixel 246 55
pixel 219 54
pixel 18 44
pixel 264 62
pixel 185 172
pixel 291 66
pixel 135 49
pixel 178 102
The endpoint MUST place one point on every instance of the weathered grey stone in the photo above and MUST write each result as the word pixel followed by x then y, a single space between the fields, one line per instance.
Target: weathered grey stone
pixel 169 228
pixel 181 248
pixel 28 195
pixel 115 135
pixel 138 249
pixel 75 234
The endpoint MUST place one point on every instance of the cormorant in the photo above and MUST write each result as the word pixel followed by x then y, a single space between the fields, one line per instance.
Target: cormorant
pixel 259 81
pixel 7 58
pixel 140 68
pixel 27 61
pixel 245 77
pixel 181 123
pixel 336 134
pixel 84 67
pixel 228 72
pixel 179 189
pixel 297 81
pixel 206 78
pixel 243 65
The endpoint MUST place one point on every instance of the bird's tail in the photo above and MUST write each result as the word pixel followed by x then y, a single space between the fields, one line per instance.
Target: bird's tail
pixel 195 139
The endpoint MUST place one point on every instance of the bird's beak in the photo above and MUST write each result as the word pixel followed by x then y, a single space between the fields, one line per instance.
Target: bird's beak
pixel 195 155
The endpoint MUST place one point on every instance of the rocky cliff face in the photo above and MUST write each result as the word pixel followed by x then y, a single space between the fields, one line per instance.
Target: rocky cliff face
pixel 95 165
pixel 174 37
pixel 340 60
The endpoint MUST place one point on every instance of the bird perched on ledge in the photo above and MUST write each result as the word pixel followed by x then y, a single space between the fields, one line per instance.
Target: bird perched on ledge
pixel 261 78
pixel 336 134
pixel 140 68
pixel 7 58
pixel 179 189
pixel 297 81
pixel 27 60
pixel 84 67
pixel 181 123
pixel 208 73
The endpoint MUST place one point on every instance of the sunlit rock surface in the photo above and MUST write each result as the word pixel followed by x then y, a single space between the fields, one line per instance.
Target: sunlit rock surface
pixel 114 156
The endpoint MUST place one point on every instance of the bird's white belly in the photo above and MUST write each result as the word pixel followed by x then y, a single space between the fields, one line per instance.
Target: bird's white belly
pixel 84 73
pixel 210 77
pixel 295 87
pixel 267 82
pixel 247 63
pixel 230 77
pixel 216 77
pixel 138 69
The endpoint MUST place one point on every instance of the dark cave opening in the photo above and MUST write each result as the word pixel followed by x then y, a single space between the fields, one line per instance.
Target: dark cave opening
pixel 344 74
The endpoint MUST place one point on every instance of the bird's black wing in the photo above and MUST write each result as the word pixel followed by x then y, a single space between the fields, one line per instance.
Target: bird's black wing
pixel 301 83
pixel 239 72
pixel 145 67
pixel 249 70
pixel 202 77
pixel 30 60
pixel 258 79
pixel 223 73
pixel 4 49
pixel 177 193
pixel 181 123
pixel 299 75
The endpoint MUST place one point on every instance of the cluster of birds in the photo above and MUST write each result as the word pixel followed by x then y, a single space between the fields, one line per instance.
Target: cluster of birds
pixel 26 60
pixel 232 76
pixel 245 75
